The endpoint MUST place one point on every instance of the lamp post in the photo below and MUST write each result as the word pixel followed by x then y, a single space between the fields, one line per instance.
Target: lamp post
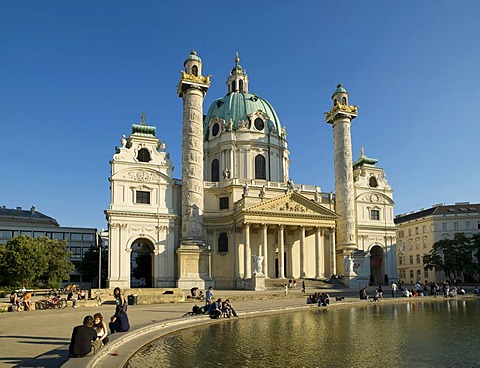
pixel 100 266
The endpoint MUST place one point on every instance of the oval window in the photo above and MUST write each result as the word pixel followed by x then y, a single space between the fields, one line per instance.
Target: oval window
pixel 259 124
pixel 215 129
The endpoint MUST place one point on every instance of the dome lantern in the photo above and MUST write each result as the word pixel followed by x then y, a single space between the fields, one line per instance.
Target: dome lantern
pixel 237 81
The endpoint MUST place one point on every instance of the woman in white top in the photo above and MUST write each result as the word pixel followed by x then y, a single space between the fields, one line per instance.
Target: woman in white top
pixel 101 328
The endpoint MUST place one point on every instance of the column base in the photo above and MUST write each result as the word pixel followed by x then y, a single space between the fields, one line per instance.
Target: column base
pixel 257 282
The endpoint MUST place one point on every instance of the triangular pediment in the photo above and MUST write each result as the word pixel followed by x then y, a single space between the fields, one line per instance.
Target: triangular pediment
pixel 291 205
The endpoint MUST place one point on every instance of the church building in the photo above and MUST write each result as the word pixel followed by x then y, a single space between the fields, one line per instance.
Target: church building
pixel 236 218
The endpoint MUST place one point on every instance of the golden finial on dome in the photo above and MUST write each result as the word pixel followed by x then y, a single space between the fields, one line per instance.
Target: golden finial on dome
pixel 237 59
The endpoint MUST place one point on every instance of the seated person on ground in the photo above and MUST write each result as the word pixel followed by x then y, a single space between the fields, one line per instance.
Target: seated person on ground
pixel 476 291
pixel 228 309
pixel 84 340
pixel 324 300
pixel 215 311
pixel 119 321
pixel 26 301
pixel 15 301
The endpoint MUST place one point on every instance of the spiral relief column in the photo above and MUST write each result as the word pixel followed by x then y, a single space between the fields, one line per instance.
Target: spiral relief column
pixel 192 250
pixel 341 116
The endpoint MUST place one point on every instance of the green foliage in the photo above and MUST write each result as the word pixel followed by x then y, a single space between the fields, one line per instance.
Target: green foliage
pixel 457 257
pixel 26 261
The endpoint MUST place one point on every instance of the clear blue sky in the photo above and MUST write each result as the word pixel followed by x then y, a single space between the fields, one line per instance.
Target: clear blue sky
pixel 74 76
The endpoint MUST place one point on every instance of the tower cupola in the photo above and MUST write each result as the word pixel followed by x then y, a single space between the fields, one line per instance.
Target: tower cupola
pixel 193 64
pixel 340 95
pixel 237 81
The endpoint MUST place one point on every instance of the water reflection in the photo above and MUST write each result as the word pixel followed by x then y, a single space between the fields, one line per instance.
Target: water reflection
pixel 422 334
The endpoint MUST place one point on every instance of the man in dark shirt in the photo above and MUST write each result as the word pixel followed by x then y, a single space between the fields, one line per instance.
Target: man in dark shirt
pixel 215 311
pixel 84 340
pixel 119 321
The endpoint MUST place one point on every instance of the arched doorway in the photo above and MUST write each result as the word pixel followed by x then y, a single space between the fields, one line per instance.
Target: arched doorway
pixel 141 264
pixel 377 266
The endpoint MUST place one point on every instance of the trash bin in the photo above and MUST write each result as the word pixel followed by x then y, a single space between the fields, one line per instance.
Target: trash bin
pixel 132 299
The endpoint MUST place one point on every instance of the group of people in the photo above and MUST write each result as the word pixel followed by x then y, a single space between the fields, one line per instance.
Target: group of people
pixel 24 302
pixel 89 337
pixel 74 295
pixel 322 299
pixel 215 308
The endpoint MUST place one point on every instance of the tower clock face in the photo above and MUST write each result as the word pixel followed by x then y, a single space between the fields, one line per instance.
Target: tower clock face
pixel 259 124
pixel 215 129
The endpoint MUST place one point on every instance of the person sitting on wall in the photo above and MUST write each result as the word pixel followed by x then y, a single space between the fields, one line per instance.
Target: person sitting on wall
pixel 215 311
pixel 119 321
pixel 324 300
pixel 84 340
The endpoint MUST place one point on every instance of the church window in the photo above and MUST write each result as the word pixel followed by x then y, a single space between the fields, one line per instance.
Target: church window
pixel 142 196
pixel 373 182
pixel 240 84
pixel 344 101
pixel 215 129
pixel 234 86
pixel 195 70
pixel 223 242
pixel 143 155
pixel 374 215
pixel 215 170
pixel 260 167
pixel 223 203
pixel 259 124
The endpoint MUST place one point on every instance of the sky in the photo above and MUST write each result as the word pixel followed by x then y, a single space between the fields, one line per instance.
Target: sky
pixel 75 76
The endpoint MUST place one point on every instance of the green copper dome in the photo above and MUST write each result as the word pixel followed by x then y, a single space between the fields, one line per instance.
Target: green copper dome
pixel 192 57
pixel 339 89
pixel 237 106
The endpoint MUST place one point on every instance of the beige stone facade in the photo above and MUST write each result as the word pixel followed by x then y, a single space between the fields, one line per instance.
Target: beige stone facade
pixel 236 217
pixel 418 231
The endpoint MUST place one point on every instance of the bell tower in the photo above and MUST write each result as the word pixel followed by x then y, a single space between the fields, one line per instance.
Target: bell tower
pixel 341 116
pixel 193 254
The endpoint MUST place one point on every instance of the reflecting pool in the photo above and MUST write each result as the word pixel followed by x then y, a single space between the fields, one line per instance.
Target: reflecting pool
pixel 443 333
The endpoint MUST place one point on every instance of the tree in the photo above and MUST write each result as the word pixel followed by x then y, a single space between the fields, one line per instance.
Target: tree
pixel 89 264
pixel 455 257
pixel 26 261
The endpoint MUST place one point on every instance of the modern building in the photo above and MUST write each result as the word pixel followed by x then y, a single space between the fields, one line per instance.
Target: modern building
pixel 418 231
pixel 15 222
pixel 236 217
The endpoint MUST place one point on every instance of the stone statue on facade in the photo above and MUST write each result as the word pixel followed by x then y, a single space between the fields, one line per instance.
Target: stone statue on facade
pixel 246 188
pixel 123 141
pixel 257 264
pixel 348 265
pixel 226 174
pixel 263 192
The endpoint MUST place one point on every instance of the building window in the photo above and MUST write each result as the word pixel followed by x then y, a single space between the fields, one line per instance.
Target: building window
pixel 215 170
pixel 195 70
pixel 38 234
pixel 25 232
pixel 444 226
pixel 411 259
pixel 409 232
pixel 223 242
pixel 142 196
pixel 7 234
pixel 455 226
pixel 425 274
pixel 76 237
pixel 76 252
pixel 260 167
pixel 400 234
pixel 87 237
pixel 411 275
pixel 374 215
pixel 467 225
pixel 58 236
pixel 418 258
pixel 223 203
pixel 373 182
pixel 259 124
pixel 424 242
pixel 424 229
pixel 215 129
pixel 240 83
pixel 416 230
pixel 234 86
pixel 143 155
pixel 400 261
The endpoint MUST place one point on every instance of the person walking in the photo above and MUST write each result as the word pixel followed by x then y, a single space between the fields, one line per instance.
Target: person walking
pixel 394 289
pixel 303 286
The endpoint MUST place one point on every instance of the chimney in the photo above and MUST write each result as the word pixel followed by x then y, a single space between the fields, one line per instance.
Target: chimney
pixel 19 208
pixel 33 210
